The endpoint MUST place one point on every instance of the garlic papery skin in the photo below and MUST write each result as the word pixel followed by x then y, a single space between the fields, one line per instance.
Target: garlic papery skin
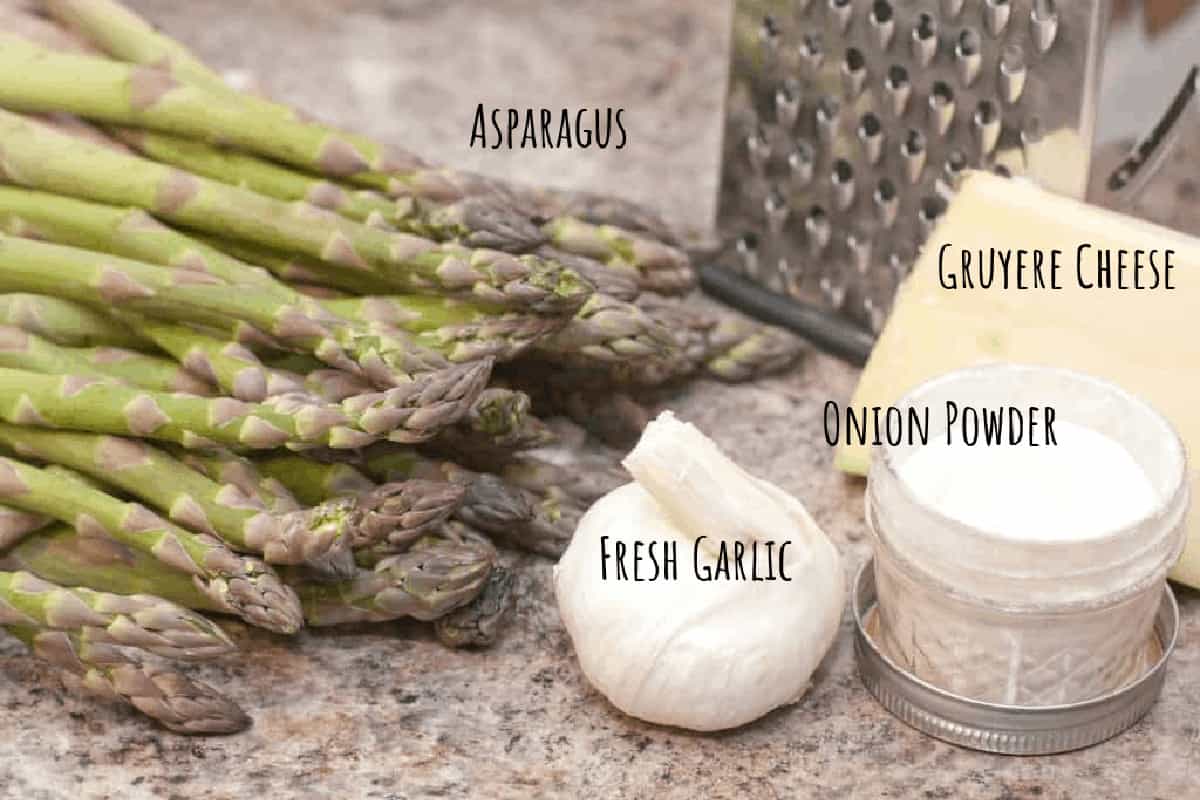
pixel 686 652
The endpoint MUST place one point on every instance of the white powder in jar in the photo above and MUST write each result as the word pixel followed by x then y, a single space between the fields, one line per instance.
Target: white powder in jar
pixel 1086 486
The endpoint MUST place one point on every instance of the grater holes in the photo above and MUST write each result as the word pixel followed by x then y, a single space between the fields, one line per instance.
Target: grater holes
pixel 758 149
pixel 912 154
pixel 955 166
pixel 951 8
pixel 886 200
pixel 1002 171
pixel 870 136
pixel 841 180
pixel 882 22
pixel 854 72
pixel 787 103
pixel 897 88
pixel 812 52
pixel 839 12
pixel 968 55
pixel 985 124
pixel 746 248
pixel 941 107
pixel 930 210
pixel 996 14
pixel 776 209
pixel 1012 72
pixel 1043 23
pixel 827 112
pixel 924 39
pixel 769 33
pixel 818 229
pixel 800 162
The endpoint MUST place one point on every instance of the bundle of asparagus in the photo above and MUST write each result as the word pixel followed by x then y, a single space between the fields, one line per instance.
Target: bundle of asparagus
pixel 248 364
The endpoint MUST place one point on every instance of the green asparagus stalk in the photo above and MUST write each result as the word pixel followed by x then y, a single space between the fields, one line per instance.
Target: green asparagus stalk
pixel 604 331
pixel 597 209
pixel 145 370
pixel 475 222
pixel 620 284
pixel 537 523
pixel 40 158
pixel 128 232
pixel 100 406
pixel 461 331
pixel 167 696
pixel 478 623
pixel 585 481
pixel 658 267
pixel 296 269
pixel 742 351
pixel 138 620
pixel 224 466
pixel 424 583
pixel 194 501
pixel 243 586
pixel 118 31
pixel 65 322
pixel 16 524
pixel 27 351
pixel 408 509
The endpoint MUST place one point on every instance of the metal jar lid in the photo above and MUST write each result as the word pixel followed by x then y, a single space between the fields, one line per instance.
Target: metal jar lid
pixel 997 727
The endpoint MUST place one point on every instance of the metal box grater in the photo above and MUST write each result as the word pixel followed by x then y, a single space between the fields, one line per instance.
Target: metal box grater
pixel 849 122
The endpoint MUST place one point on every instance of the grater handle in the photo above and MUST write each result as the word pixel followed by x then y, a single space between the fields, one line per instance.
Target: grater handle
pixel 830 332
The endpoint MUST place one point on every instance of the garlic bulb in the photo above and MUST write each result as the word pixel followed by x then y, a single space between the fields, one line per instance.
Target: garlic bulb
pixel 705 647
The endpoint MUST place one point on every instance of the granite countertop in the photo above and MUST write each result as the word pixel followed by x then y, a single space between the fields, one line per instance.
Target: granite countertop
pixel 384 711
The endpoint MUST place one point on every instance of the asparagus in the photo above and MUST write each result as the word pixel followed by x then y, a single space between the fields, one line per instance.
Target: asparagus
pixel 584 481
pixel 128 232
pixel 475 221
pixel 118 31
pixel 99 406
pixel 65 322
pixel 604 331
pixel 598 210
pixel 478 622
pixel 22 350
pixel 224 466
pixel 241 585
pixel 40 158
pixel 230 365
pixel 15 525
pixel 194 501
pixel 138 620
pixel 620 284
pixel 176 702
pixel 657 267
pixel 144 370
pixel 294 269
pixel 744 351
pixel 462 331
pixel 405 511
pixel 425 583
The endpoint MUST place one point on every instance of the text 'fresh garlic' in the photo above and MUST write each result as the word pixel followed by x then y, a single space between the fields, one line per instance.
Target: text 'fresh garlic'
pixel 686 649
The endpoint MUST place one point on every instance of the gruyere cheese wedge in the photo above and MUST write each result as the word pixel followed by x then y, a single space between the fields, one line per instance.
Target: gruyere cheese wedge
pixel 1147 341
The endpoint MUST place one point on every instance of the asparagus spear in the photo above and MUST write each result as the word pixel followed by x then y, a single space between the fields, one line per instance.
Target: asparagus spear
pixel 406 511
pixel 194 501
pixel 607 330
pixel 120 32
pixel 475 221
pixel 657 267
pixel 22 350
pixel 478 623
pixel 462 331
pixel 620 284
pixel 294 268
pixel 128 232
pixel 16 524
pixel 243 586
pixel 138 620
pixel 41 158
pixel 88 404
pixel 597 209
pixel 224 466
pixel 173 700
pixel 65 322
pixel 584 481
pixel 424 583
pixel 742 351
pixel 229 365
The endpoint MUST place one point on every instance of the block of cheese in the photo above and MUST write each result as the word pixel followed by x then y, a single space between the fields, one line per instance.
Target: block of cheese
pixel 1147 341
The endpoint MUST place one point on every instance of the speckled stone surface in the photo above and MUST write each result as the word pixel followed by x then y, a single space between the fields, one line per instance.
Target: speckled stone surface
pixel 385 712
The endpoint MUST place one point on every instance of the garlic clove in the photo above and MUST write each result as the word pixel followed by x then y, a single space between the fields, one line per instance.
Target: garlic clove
pixel 699 654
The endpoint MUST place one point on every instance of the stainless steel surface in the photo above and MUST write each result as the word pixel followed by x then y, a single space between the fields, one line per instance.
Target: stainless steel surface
pixel 848 123
pixel 998 728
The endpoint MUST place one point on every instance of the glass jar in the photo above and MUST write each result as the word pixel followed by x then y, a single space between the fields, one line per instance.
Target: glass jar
pixel 1019 621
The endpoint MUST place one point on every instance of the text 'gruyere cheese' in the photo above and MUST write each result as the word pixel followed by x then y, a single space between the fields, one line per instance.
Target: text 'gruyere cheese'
pixel 1145 340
